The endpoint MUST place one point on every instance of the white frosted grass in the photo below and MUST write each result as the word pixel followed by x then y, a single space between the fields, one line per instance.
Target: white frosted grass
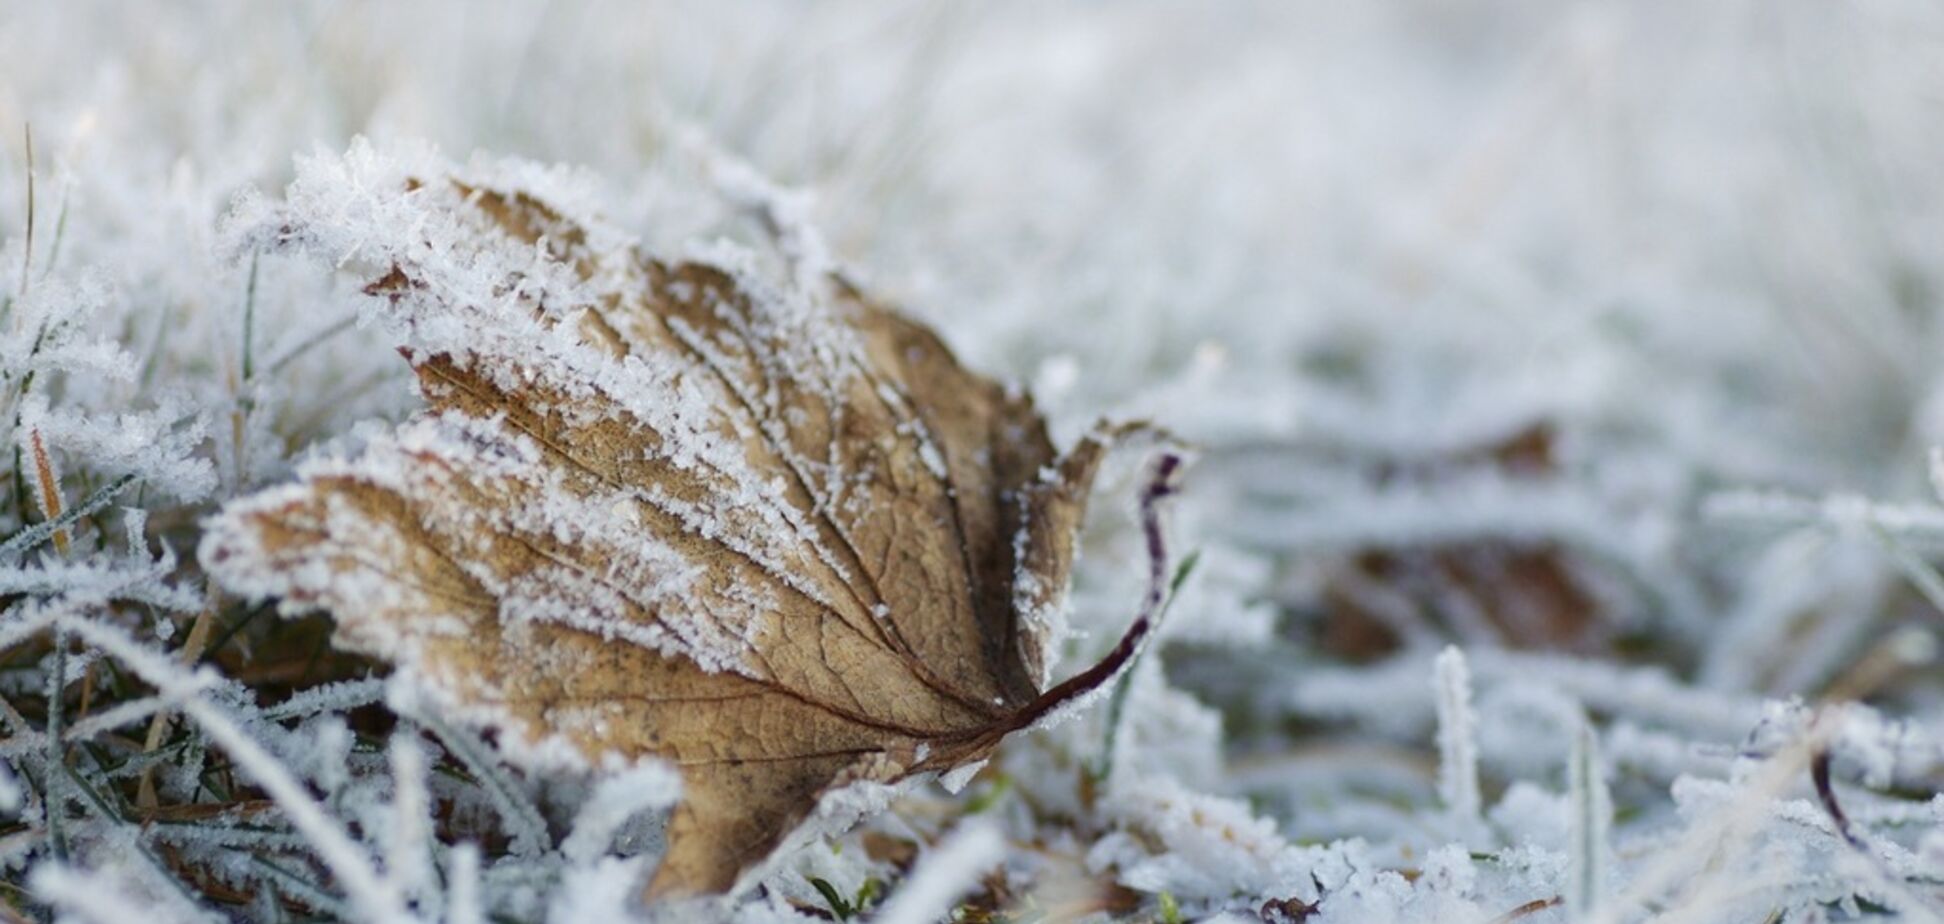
pixel 1390 696
pixel 1484 505
pixel 337 696
pixel 39 533
pixel 616 798
pixel 1922 525
pixel 375 898
pixel 1641 693
pixel 408 836
pixel 462 885
pixel 59 311
pixel 105 578
pixel 10 792
pixel 1668 876
pixel 1590 831
pixel 1664 756
pixel 945 874
pixel 159 446
pixel 32 616
pixel 85 896
pixel 207 835
pixel 134 710
pixel 524 823
pixel 1457 742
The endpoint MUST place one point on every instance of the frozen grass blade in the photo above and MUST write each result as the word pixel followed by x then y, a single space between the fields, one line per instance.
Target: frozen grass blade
pixel 190 653
pixel 27 539
pixel 408 842
pixel 462 885
pixel 276 877
pixel 1592 823
pixel 341 696
pixel 127 713
pixel 615 799
pixel 10 791
pixel 60 234
pixel 945 875
pixel 523 820
pixel 1921 573
pixel 1457 742
pixel 55 777
pixel 88 898
pixel 1669 878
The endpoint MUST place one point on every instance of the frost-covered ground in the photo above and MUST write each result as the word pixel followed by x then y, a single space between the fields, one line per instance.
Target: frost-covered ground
pixel 1564 378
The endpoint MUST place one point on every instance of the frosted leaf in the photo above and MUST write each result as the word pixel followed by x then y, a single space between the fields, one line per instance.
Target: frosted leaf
pixel 769 531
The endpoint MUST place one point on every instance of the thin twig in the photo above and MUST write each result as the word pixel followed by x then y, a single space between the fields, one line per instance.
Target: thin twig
pixel 1529 908
pixel 27 252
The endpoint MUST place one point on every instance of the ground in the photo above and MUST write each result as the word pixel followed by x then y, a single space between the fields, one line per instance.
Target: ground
pixel 1558 541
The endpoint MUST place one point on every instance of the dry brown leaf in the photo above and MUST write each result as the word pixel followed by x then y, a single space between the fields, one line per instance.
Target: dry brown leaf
pixel 1528 594
pixel 771 532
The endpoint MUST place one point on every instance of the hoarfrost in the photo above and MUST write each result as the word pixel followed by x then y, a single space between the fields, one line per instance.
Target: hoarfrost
pixel 1637 300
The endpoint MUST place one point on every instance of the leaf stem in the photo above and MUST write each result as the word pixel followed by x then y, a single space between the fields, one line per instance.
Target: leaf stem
pixel 1159 487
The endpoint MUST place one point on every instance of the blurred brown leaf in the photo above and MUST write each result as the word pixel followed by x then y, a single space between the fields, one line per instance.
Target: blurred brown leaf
pixel 1526 594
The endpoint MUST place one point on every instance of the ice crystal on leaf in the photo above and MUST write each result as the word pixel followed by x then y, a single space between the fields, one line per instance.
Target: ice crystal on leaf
pixel 756 525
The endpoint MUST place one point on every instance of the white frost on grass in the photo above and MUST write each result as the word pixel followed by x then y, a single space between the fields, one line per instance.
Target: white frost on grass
pixel 94 896
pixel 369 890
pixel 1457 742
pixel 1592 823
pixel 945 875
pixel 1536 277
pixel 616 799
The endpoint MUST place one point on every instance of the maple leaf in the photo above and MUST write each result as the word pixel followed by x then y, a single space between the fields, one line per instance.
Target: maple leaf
pixel 770 532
